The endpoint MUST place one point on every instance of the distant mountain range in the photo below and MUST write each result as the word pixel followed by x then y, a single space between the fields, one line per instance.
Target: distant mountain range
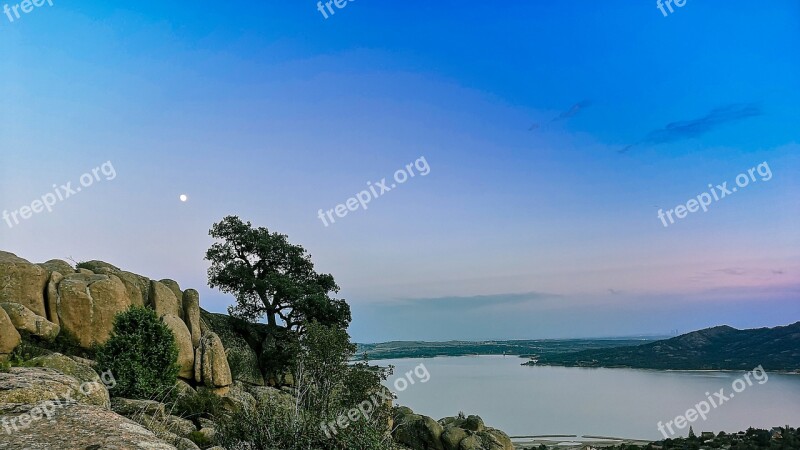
pixel 421 349
pixel 720 348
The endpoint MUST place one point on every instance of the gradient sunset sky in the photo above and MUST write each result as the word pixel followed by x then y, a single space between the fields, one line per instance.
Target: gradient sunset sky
pixel 554 132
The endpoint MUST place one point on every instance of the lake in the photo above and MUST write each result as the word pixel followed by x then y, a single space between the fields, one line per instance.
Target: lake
pixel 628 403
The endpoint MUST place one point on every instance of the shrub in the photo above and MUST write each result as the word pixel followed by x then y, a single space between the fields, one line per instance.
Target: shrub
pixel 25 351
pixel 141 354
pixel 326 386
pixel 203 403
pixel 32 346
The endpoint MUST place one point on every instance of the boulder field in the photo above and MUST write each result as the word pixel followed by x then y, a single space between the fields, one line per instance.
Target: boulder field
pixel 416 431
pixel 59 401
pixel 54 298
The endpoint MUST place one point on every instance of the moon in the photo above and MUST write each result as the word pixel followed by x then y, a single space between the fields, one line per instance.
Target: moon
pixel 184 197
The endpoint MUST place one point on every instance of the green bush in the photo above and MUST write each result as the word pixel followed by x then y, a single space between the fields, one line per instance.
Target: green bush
pixel 141 354
pixel 327 385
pixel 202 404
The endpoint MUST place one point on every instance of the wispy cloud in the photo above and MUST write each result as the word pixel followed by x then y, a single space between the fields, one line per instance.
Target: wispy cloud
pixel 460 303
pixel 571 112
pixel 687 129
pixel 733 271
pixel 737 275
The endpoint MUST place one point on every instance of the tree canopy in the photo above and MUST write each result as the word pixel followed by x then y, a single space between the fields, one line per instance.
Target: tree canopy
pixel 271 277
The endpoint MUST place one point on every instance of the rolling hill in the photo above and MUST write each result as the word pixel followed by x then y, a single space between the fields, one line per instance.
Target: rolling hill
pixel 721 348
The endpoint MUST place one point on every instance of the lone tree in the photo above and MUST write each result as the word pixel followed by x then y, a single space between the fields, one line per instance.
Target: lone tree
pixel 271 277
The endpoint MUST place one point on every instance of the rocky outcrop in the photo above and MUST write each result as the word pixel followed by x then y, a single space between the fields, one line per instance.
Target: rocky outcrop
pixel 471 423
pixel 490 439
pixel 152 415
pixel 130 408
pixel 25 320
pixel 78 427
pixel 257 353
pixel 211 364
pixel 183 340
pixel 92 386
pixel 237 398
pixel 138 287
pixel 100 267
pixel 9 336
pixel 87 304
pixel 22 282
pixel 54 298
pixel 164 300
pixel 191 314
pixel 33 385
pixel 269 397
pixel 253 350
pixel 419 432
pixel 57 265
pixel 54 404
pixel 174 287
pixel 51 297
pixel 452 437
pixel 183 388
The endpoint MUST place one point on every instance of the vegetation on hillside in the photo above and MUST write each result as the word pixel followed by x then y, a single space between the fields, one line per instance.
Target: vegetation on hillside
pixel 142 355
pixel 306 335
pixel 718 348
pixel 326 387
pixel 781 438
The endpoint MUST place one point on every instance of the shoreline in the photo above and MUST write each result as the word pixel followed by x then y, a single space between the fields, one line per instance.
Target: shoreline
pixel 779 372
pixel 571 441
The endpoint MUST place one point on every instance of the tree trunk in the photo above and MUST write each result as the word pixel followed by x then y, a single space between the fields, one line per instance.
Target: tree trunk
pixel 268 306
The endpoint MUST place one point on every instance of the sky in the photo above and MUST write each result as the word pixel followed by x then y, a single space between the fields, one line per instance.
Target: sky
pixel 544 138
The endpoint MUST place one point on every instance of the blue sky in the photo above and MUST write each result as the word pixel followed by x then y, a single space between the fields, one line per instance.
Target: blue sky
pixel 525 227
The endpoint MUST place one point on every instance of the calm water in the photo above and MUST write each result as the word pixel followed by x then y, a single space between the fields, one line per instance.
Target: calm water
pixel 522 400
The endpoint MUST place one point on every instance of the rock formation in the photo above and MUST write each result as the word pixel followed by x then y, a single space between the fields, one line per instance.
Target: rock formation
pixel 164 300
pixel 60 403
pixel 191 314
pixel 53 298
pixel 420 432
pixel 183 340
pixel 211 364
pixel 25 320
pixel 9 336
pixel 22 282
pixel 87 304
